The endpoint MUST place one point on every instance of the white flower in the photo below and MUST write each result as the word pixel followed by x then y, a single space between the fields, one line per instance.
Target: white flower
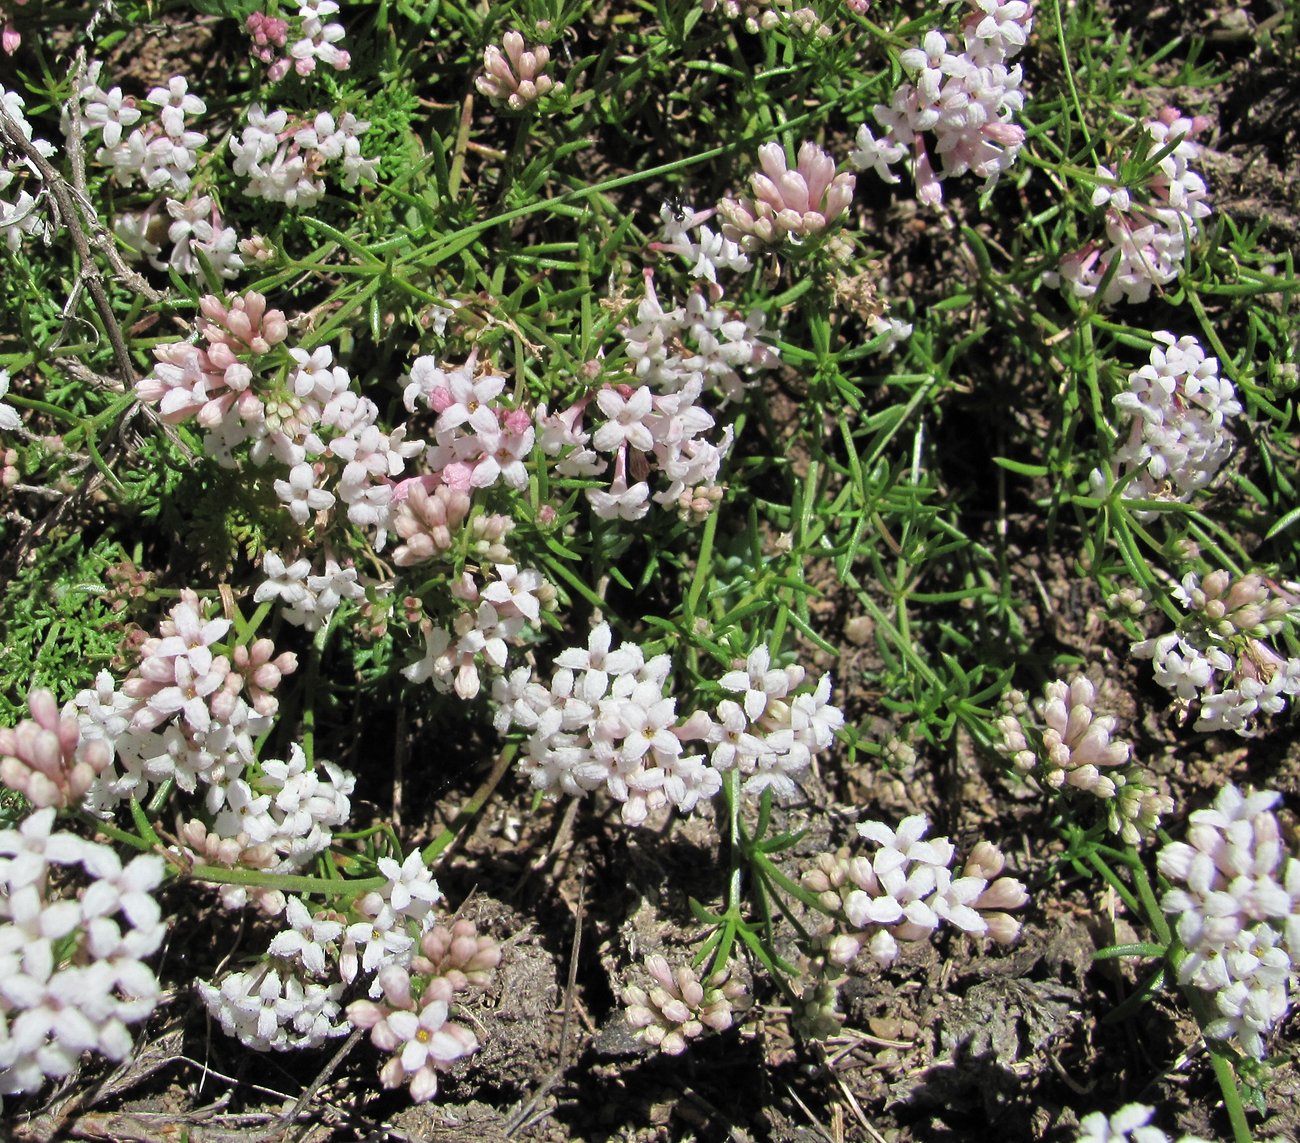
pixel 300 494
pixel 306 937
pixel 283 582
pixel 411 889
pixel 516 588
pixel 626 422
pixel 385 942
pixel 758 681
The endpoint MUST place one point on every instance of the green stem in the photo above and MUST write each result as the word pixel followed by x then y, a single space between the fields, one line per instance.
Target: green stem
pixel 287 882
pixel 1111 879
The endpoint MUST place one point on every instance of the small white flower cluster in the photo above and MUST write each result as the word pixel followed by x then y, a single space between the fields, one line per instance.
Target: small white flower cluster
pixel 291 999
pixel 787 206
pixel 413 1019
pixel 516 77
pixel 679 1006
pixel 282 155
pixel 1178 434
pixel 1130 1124
pixel 72 971
pixel 308 418
pixel 20 217
pixel 707 251
pixel 161 150
pixel 765 15
pixel 190 715
pixel 184 713
pixel 1070 744
pixel 1152 215
pixel 700 344
pixel 656 419
pixel 1237 903
pixel 309 599
pixel 194 228
pixel 491 618
pixel 275 1009
pixel 1218 656
pixel 906 889
pixel 606 722
pixel 771 731
pixel 288 807
pixel 315 40
pixel 968 100
pixel 478 440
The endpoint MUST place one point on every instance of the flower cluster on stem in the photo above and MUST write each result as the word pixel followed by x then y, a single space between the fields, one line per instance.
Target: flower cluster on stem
pixel 410 1014
pixel 607 721
pixel 906 889
pixel 72 971
pixel 313 40
pixel 292 997
pixel 787 205
pixel 1222 656
pixel 1154 203
pixel 1070 744
pixel 679 1005
pixel 514 75
pixel 966 99
pixel 1236 904
pixel 1178 433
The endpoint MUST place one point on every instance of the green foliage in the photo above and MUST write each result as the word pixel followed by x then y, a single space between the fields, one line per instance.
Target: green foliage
pixel 58 622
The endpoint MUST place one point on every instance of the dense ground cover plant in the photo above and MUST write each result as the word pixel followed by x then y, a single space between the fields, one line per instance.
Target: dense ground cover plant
pixel 724 416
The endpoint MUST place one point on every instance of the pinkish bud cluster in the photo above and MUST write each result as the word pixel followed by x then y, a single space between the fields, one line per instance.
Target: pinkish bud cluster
pixel 426 520
pixel 679 1005
pixel 1218 656
pixel 516 76
pixel 1063 741
pixel 459 955
pixel 45 757
pixel 314 40
pixel 262 670
pixel 906 889
pixel 787 205
pixel 213 383
pixel 204 846
pixel 1236 904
